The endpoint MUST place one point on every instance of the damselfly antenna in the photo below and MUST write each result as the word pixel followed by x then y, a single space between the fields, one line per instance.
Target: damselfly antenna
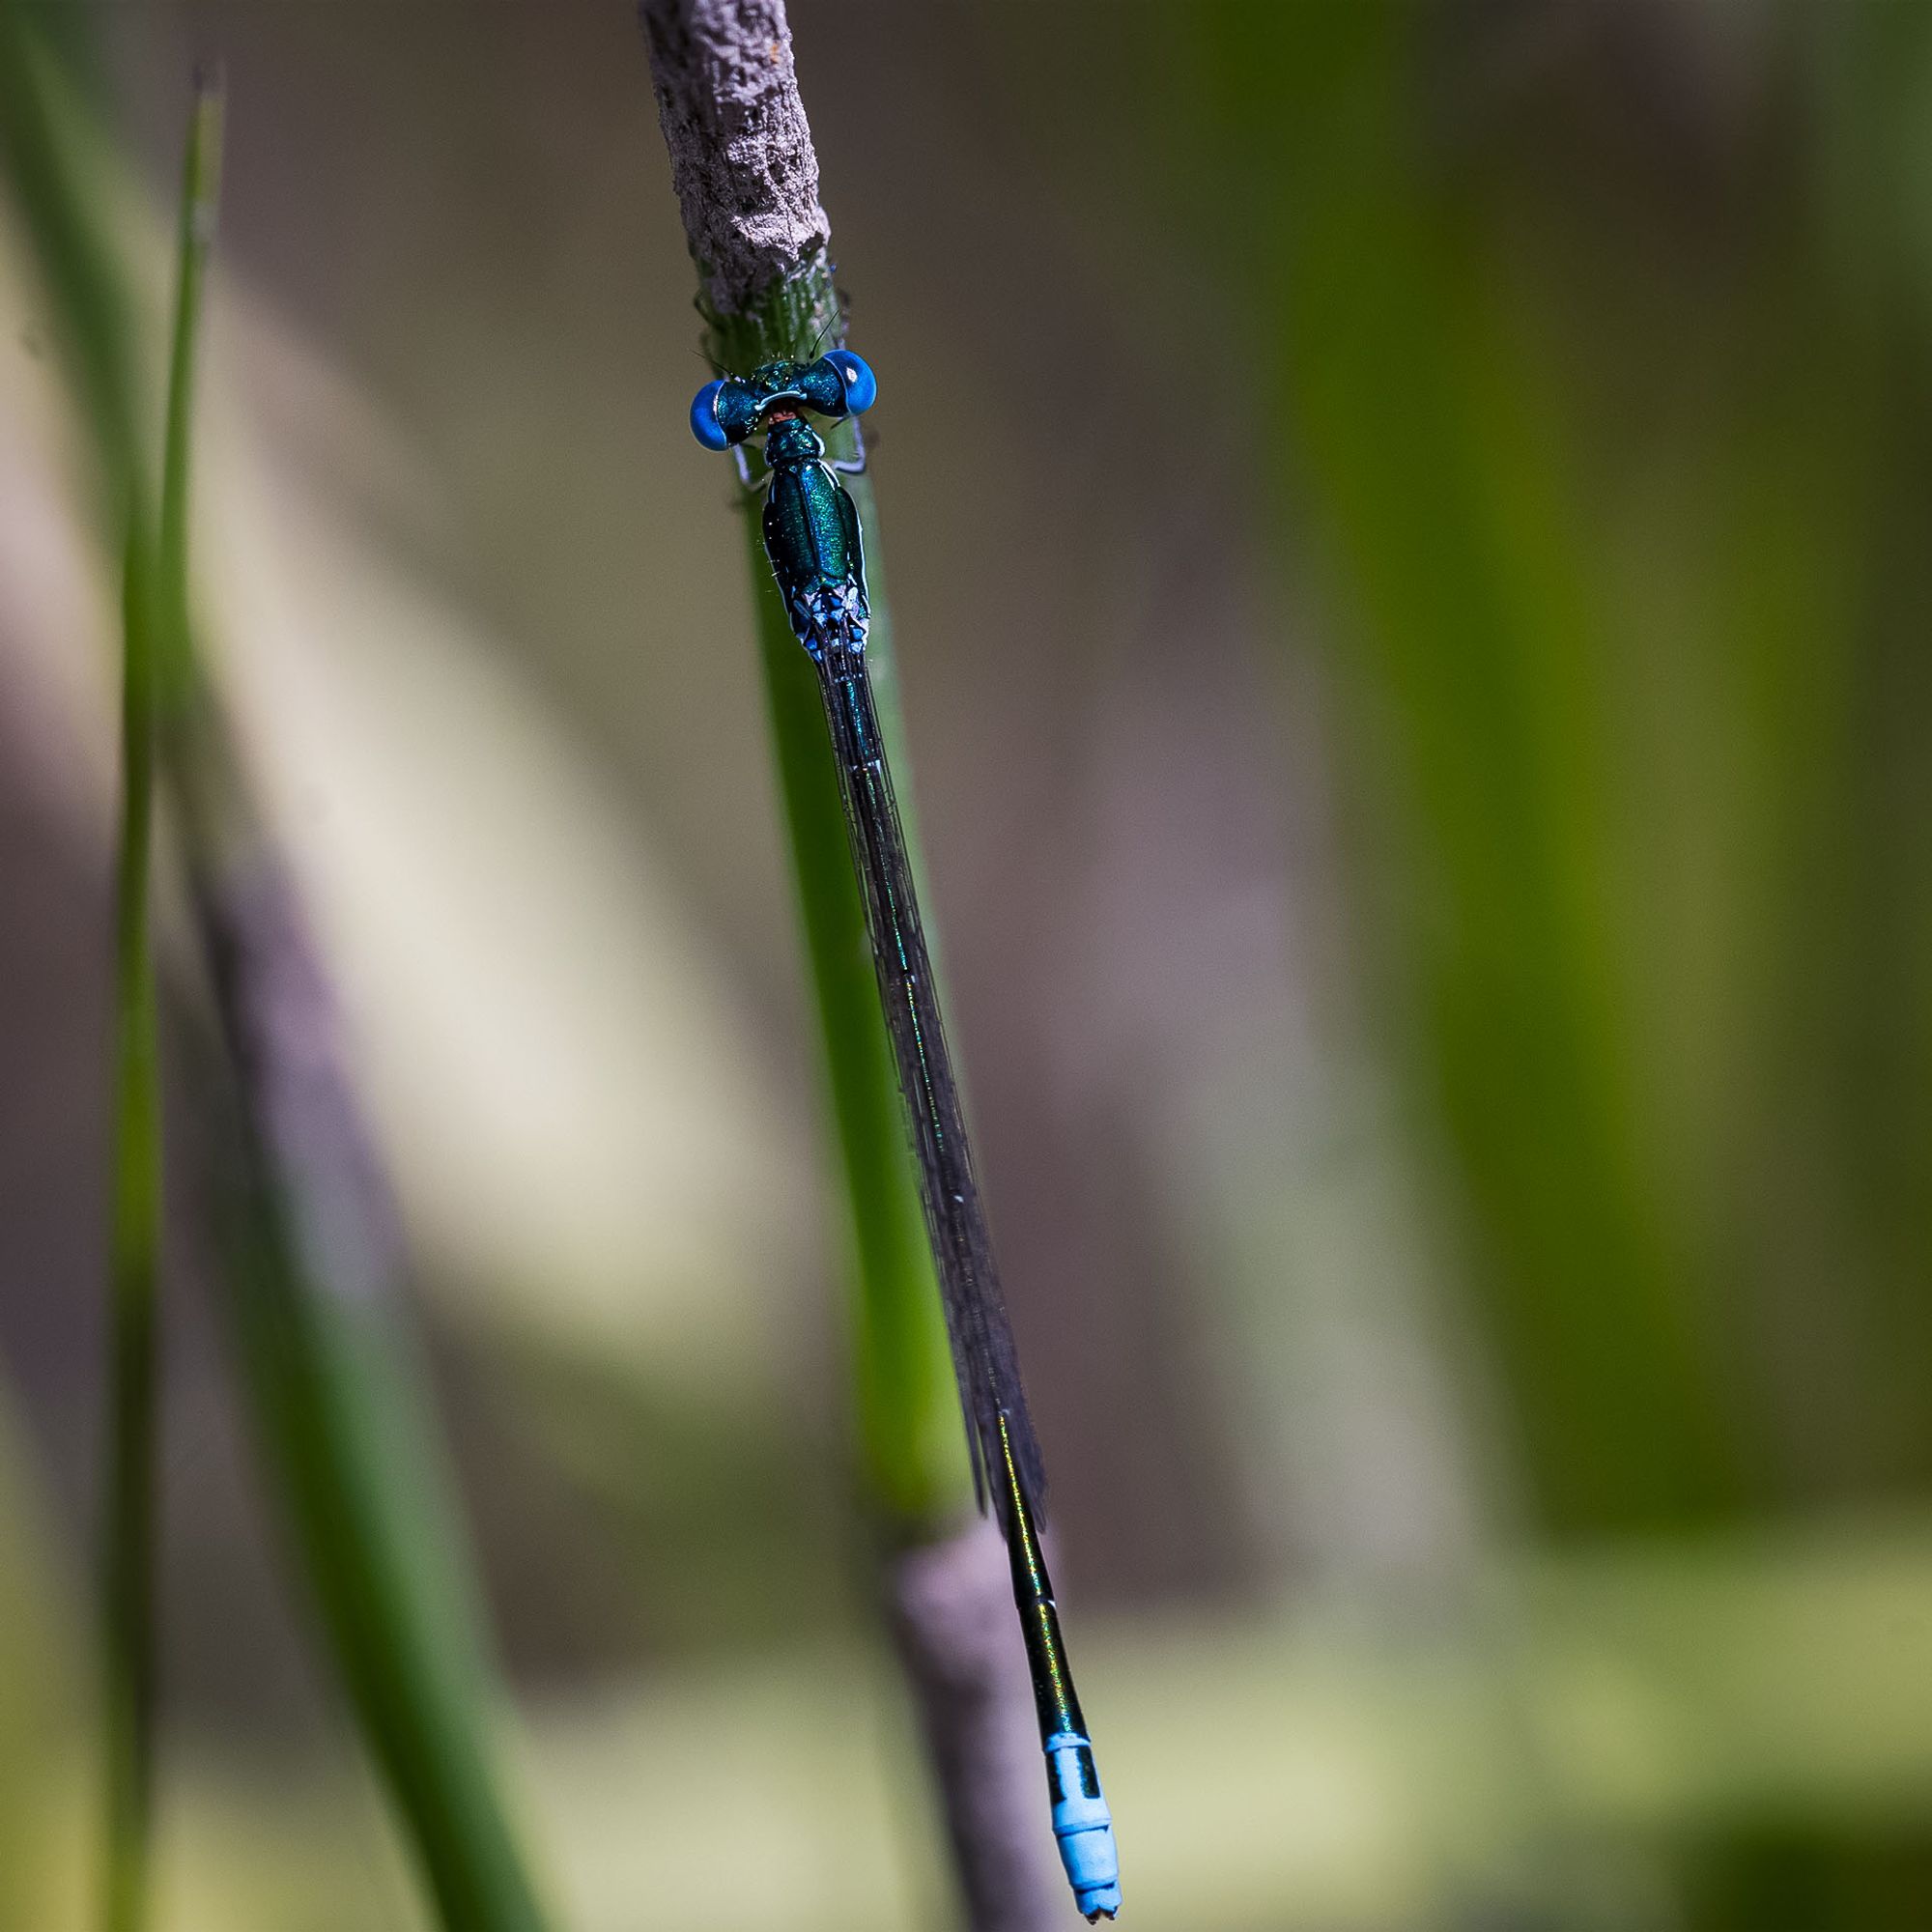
pixel 825 329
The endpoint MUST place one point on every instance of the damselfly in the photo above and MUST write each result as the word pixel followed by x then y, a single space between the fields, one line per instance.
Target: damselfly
pixel 811 536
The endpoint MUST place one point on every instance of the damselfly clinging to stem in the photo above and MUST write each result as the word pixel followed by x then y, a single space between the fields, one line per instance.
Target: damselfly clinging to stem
pixel 811 536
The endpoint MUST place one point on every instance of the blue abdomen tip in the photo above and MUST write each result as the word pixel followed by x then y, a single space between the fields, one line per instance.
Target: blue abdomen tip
pixel 1082 1827
pixel 1101 1897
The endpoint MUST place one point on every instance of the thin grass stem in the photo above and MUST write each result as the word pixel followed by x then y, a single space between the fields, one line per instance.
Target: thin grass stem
pixel 129 1641
pixel 154 621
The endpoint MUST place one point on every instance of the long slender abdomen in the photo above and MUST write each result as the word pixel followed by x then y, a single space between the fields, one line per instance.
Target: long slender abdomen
pixel 983 1345
pixel 1007 1463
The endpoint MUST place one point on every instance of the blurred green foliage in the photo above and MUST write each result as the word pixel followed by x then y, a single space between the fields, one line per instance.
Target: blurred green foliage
pixel 1594 400
pixel 325 1371
pixel 1609 457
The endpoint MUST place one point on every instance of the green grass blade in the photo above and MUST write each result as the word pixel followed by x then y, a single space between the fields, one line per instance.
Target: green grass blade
pixel 135 1256
pixel 153 623
pixel 337 1408
pixel 201 195
pixel 86 297
pixel 911 1449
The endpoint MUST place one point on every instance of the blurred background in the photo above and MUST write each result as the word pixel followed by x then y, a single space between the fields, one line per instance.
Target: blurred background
pixel 1405 525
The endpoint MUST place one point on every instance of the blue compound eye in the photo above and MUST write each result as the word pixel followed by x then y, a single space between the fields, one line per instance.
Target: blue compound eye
pixel 862 386
pixel 704 423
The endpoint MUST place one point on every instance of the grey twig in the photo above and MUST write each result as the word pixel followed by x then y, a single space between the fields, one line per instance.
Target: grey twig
pixel 282 1030
pixel 315 1269
pixel 741 155
pixel 950 1605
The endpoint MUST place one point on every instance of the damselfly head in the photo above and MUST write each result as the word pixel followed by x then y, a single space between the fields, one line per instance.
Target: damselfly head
pixel 733 408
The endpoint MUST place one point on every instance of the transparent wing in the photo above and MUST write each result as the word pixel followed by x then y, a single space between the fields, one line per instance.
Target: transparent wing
pixel 983 1355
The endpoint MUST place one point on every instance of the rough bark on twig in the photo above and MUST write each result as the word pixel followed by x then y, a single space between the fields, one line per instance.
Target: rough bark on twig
pixel 741 155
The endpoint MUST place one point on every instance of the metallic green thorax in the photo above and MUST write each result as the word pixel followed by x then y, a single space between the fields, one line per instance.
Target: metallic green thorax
pixel 811 536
